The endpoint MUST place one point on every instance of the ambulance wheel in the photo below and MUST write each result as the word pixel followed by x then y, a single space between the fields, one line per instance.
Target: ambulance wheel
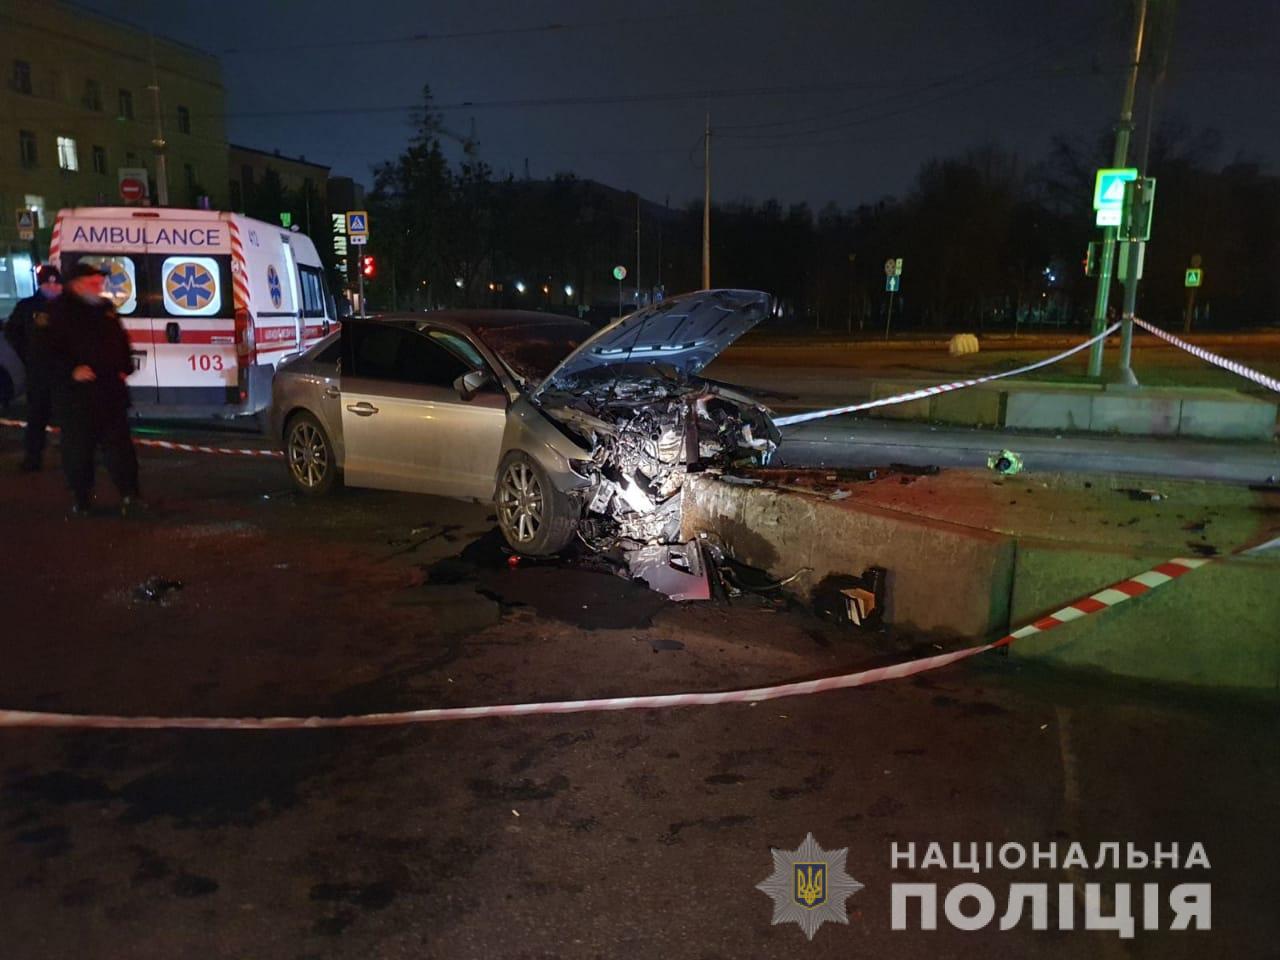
pixel 309 453
pixel 535 518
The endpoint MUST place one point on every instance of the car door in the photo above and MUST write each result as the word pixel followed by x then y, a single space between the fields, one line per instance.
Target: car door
pixel 404 425
pixel 468 464
pixel 380 411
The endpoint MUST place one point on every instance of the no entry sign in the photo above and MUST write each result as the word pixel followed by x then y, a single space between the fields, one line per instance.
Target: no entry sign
pixel 132 182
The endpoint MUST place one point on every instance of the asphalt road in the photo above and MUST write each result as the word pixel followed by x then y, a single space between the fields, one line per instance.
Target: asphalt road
pixel 613 835
pixel 858 442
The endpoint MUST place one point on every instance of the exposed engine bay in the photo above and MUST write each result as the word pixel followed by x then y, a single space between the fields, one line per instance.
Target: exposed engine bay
pixel 646 433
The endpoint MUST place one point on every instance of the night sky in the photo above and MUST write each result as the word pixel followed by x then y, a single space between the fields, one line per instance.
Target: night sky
pixel 812 100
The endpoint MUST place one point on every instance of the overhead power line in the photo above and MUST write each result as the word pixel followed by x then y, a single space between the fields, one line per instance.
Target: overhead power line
pixel 486 33
pixel 994 68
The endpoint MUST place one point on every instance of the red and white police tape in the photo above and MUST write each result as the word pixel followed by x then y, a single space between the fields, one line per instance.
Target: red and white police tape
pixel 1102 600
pixel 173 445
pixel 1271 383
pixel 923 392
pixel 199 448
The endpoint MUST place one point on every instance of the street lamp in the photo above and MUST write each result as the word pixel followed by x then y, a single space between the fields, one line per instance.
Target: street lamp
pixel 619 274
pixel 519 286
pixel 568 290
pixel 458 282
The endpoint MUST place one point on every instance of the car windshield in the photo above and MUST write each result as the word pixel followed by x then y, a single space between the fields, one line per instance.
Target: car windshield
pixel 533 350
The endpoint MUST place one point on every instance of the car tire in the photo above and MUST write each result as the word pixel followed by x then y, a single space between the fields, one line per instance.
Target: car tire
pixel 309 456
pixel 535 518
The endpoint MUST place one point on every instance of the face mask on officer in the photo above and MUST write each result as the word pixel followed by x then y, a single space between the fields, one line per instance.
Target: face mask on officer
pixel 90 288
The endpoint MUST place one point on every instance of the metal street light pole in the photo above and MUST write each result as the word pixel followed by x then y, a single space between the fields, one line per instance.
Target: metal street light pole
pixel 706 206
pixel 1124 130
pixel 1163 39
pixel 158 144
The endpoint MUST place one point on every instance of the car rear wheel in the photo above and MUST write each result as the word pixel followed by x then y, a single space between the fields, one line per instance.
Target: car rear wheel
pixel 309 453
pixel 535 518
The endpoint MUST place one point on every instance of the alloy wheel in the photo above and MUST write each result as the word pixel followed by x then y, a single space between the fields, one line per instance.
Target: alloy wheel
pixel 308 455
pixel 520 502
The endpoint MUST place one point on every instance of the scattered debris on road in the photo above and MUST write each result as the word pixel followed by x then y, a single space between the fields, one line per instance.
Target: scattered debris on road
pixel 1151 496
pixel 856 600
pixel 156 589
pixel 1006 462
pixel 658 644
pixel 677 570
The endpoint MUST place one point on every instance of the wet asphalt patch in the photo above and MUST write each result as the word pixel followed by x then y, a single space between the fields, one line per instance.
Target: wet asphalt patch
pixel 557 588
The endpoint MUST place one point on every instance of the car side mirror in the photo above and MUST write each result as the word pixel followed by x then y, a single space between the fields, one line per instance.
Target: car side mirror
pixel 471 383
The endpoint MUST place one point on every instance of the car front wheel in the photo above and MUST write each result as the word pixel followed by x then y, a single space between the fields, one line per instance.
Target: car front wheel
pixel 535 518
pixel 309 453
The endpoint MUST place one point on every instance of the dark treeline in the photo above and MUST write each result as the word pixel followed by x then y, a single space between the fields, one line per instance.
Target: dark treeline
pixel 988 239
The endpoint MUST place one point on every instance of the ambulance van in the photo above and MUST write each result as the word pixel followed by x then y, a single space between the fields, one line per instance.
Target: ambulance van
pixel 212 301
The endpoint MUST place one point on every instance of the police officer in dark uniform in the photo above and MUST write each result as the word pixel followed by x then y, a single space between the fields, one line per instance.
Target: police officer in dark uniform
pixel 28 333
pixel 91 361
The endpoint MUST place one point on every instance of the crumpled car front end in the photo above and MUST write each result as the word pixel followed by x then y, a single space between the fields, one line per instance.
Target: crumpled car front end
pixel 622 420
pixel 640 437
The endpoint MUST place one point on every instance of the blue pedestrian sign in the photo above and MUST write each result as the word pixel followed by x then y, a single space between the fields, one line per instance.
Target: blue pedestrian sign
pixel 1108 193
pixel 892 284
pixel 357 223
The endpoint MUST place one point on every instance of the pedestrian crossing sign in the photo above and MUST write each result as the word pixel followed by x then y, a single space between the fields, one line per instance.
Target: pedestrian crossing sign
pixel 357 223
pixel 1194 276
pixel 1108 193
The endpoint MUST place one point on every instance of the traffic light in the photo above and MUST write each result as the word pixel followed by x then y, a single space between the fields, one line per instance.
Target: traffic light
pixel 367 267
pixel 1091 259
pixel 1140 201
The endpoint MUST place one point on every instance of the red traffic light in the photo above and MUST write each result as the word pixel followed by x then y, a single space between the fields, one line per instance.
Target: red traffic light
pixel 367 267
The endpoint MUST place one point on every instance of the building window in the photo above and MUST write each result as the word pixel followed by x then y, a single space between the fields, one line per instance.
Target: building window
pixel 92 99
pixel 189 173
pixel 184 120
pixel 130 158
pixel 99 159
pixel 67 158
pixel 26 148
pixel 35 203
pixel 22 76
pixel 126 105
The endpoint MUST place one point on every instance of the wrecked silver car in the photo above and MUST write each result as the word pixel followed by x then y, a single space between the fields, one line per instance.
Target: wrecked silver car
pixel 571 433
pixel 632 420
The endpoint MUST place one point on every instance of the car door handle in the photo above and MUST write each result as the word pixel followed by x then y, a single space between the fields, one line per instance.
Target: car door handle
pixel 332 393
pixel 362 409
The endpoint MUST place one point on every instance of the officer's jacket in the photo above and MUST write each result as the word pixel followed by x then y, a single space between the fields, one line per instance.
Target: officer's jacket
pixel 28 329
pixel 90 334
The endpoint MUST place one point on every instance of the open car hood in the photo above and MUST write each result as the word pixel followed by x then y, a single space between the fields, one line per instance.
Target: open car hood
pixel 685 333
